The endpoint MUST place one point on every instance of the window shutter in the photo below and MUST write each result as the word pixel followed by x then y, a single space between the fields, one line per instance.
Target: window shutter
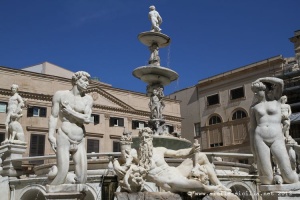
pixel 121 122
pixel 96 119
pixel 111 121
pixel 30 112
pixel 43 112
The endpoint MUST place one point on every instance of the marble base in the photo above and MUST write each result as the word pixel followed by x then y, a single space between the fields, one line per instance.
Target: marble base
pixel 278 195
pixel 65 196
pixel 282 188
pixel 9 152
pixel 147 196
pixel 66 191
pixel 172 196
pixel 280 192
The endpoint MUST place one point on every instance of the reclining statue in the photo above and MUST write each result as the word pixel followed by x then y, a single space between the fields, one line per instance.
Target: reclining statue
pixel 190 175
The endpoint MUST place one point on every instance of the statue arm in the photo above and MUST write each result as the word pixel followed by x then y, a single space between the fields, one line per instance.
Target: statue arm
pixel 279 84
pixel 53 120
pixel 181 153
pixel 21 102
pixel 159 18
pixel 81 117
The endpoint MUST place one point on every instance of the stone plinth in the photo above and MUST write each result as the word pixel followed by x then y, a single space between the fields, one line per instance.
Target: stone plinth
pixel 66 191
pixel 147 196
pixel 172 196
pixel 9 152
pixel 155 75
pixel 280 192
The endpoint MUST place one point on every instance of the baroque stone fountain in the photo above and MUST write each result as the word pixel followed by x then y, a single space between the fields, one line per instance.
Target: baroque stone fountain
pixel 156 78
pixel 143 172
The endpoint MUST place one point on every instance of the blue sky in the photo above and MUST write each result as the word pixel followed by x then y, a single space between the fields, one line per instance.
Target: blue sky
pixel 100 36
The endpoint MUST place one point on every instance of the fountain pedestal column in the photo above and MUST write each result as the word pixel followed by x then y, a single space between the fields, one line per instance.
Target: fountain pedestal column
pixel 156 77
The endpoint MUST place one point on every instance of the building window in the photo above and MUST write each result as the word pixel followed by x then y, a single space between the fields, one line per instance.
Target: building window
pixel 37 147
pixel 213 99
pixel 2 137
pixel 238 115
pixel 116 146
pixel 138 124
pixel 215 137
pixel 3 107
pixel 214 120
pixel 170 129
pixel 37 112
pixel 93 146
pixel 95 119
pixel 197 129
pixel 244 161
pixel 114 121
pixel 237 93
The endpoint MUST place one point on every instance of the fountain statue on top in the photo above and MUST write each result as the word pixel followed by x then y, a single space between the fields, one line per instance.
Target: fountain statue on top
pixel 153 74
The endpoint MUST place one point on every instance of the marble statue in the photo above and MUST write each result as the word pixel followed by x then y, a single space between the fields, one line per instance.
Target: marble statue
pixel 286 113
pixel 73 107
pixel 188 176
pixel 155 19
pixel 154 57
pixel 266 137
pixel 14 131
pixel 156 103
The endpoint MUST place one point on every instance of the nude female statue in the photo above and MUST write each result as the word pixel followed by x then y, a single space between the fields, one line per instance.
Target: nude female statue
pixel 266 135
pixel 73 107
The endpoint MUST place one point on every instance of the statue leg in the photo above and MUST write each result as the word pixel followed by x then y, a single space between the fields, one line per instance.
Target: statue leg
pixel 264 165
pixel 80 162
pixel 279 151
pixel 62 158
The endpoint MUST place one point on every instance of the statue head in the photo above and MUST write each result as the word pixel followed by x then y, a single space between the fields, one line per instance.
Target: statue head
pixel 283 99
pixel 258 86
pixel 146 148
pixel 81 79
pixel 152 7
pixel 14 88
pixel 259 90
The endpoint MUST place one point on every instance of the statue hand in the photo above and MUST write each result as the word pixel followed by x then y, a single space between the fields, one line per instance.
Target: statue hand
pixel 52 141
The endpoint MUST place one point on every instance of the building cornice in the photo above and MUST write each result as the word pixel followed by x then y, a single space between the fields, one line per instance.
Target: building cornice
pixel 235 72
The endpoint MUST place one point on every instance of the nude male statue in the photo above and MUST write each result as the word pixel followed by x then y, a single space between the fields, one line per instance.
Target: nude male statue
pixel 155 19
pixel 14 113
pixel 73 107
pixel 173 179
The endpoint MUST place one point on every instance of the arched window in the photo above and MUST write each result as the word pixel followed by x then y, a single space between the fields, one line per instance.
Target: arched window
pixel 214 120
pixel 239 114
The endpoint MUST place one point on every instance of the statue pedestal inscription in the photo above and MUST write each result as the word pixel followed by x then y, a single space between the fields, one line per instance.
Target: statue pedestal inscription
pixel 12 151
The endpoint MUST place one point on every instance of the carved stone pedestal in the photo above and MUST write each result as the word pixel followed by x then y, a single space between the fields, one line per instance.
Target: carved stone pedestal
pixel 147 196
pixel 9 152
pixel 66 191
pixel 172 196
pixel 280 192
